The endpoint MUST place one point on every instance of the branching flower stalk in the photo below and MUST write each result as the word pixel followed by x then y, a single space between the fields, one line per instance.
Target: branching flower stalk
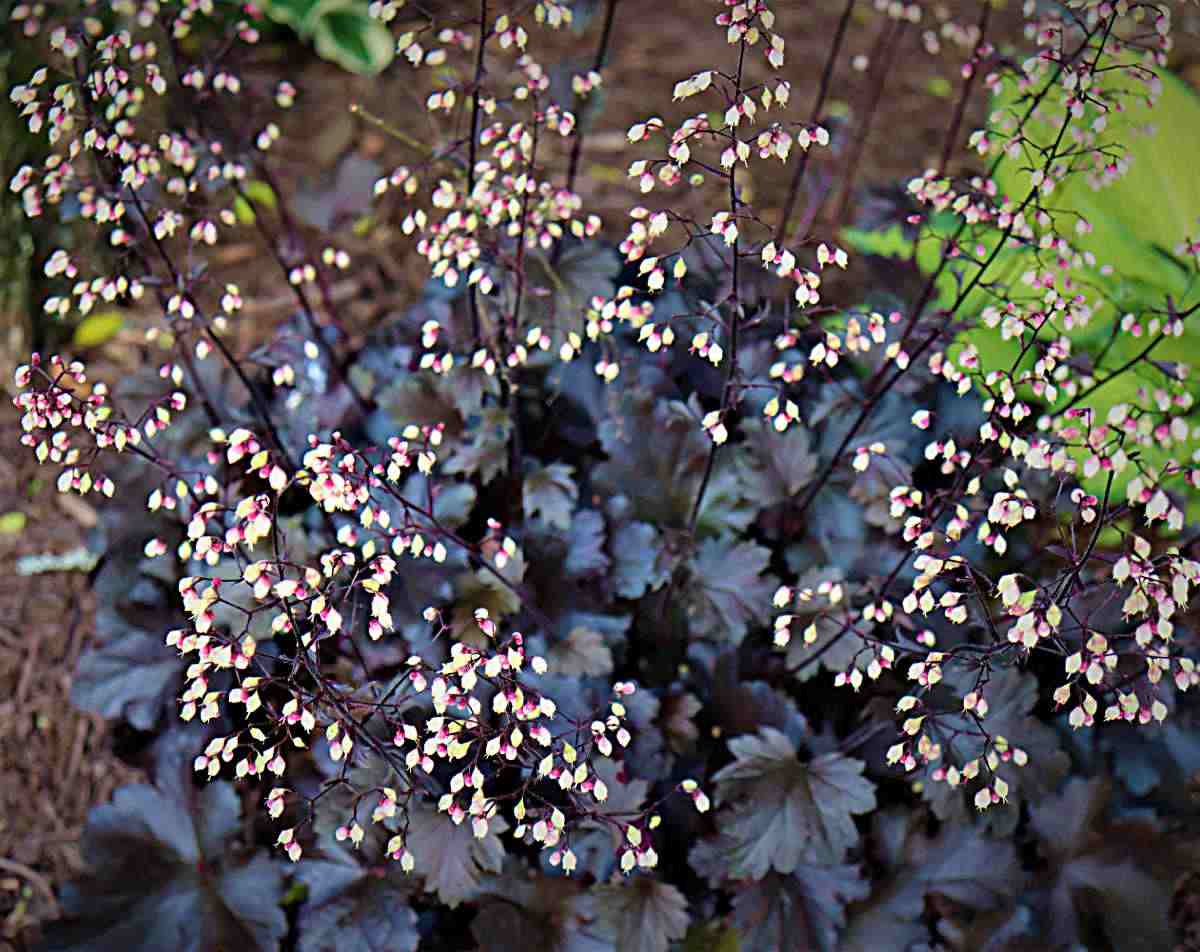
pixel 377 628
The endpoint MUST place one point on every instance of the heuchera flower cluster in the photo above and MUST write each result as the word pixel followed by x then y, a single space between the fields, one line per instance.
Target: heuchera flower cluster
pixel 263 608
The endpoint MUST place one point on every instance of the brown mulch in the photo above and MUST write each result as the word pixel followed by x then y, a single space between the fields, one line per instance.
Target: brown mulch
pixel 55 762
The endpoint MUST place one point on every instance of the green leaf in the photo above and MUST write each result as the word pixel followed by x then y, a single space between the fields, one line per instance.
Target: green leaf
pixel 256 194
pixel 244 211
pixel 1161 143
pixel 354 40
pixel 1135 265
pixel 785 812
pixel 298 14
pixel 889 242
pixel 97 329
pixel 12 522
pixel 711 937
pixel 342 30
pixel 260 193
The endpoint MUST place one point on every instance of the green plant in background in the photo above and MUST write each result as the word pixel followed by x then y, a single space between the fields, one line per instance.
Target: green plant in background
pixel 342 31
pixel 1128 259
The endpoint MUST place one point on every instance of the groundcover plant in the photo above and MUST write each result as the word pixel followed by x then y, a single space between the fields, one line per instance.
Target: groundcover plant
pixel 725 577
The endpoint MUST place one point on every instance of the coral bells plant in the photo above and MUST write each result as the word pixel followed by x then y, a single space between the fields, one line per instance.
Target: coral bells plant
pixel 673 580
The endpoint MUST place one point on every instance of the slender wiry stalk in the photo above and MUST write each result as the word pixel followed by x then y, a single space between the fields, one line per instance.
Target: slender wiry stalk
pixel 874 389
pixel 597 65
pixel 306 310
pixel 961 106
pixel 885 53
pixel 472 147
pixel 508 330
pixel 735 298
pixel 835 48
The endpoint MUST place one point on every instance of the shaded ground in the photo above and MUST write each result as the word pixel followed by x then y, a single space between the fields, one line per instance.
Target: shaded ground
pixel 55 762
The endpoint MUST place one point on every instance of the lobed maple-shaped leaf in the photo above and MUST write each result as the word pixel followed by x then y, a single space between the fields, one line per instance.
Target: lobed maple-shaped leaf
pixel 1011 696
pixel 483 450
pixel 353 908
pixel 449 857
pixel 729 588
pixel 582 271
pixel 832 648
pixel 131 675
pixel 662 475
pixel 523 913
pixel 961 865
pixel 739 706
pixel 640 914
pixel 584 651
pixel 597 841
pixel 784 811
pixel 550 494
pixel 482 589
pixel 452 501
pixel 803 912
pixel 777 466
pixel 585 545
pixel 640 561
pixel 427 399
pixel 1111 879
pixel 164 873
pixel 128 672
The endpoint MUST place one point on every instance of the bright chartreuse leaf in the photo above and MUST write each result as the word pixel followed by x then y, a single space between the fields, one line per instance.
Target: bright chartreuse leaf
pixel 1126 261
pixel 97 329
pixel 354 40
